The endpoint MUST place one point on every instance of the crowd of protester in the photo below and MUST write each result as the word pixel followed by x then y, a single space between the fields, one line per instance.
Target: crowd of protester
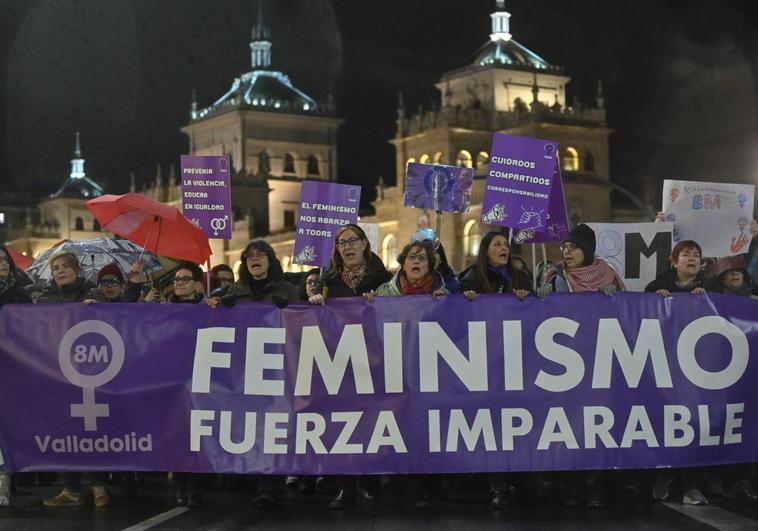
pixel 423 271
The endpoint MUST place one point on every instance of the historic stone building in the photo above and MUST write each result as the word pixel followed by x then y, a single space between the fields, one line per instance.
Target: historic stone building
pixel 510 89
pixel 277 136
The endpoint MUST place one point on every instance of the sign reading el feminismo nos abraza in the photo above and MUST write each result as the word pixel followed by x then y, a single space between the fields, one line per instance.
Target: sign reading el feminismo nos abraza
pixel 400 385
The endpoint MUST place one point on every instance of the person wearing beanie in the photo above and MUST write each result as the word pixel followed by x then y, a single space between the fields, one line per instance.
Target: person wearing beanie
pixel 110 282
pixel 580 270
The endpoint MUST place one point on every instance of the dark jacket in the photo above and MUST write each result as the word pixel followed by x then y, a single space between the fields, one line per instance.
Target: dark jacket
pixel 194 300
pixel 668 279
pixel 77 291
pixel 471 282
pixel 241 291
pixel 748 287
pixel 14 292
pixel 376 275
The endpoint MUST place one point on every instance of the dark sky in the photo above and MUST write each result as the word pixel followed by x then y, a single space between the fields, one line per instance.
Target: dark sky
pixel 679 77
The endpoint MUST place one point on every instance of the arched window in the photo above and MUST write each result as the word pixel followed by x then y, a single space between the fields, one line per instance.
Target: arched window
pixel 424 159
pixel 264 164
pixel 313 168
pixel 410 161
pixel 289 163
pixel 472 237
pixel 570 159
pixel 464 159
pixel 437 159
pixel 236 268
pixel 589 162
pixel 96 226
pixel 286 264
pixel 482 159
pixel 79 224
pixel 389 251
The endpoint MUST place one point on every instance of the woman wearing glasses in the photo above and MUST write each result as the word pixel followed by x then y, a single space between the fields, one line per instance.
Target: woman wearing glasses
pixel 355 270
pixel 418 273
pixel 580 270
pixel 261 278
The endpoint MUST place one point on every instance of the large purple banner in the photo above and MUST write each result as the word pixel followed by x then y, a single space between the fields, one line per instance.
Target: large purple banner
pixel 400 385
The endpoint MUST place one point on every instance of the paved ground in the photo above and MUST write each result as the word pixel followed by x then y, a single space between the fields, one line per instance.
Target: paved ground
pixel 228 510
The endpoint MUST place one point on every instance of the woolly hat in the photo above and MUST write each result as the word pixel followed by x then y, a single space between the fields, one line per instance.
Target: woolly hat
pixel 584 238
pixel 110 269
pixel 728 264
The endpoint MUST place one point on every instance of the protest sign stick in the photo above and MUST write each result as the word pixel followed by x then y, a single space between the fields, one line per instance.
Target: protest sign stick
pixel 544 257
pixel 534 266
pixel 437 208
pixel 208 278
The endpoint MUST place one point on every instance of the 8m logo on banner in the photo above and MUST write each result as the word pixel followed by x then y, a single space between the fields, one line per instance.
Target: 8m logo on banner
pixel 75 350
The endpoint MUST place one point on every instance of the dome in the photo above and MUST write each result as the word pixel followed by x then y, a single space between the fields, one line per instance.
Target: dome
pixel 511 54
pixel 79 188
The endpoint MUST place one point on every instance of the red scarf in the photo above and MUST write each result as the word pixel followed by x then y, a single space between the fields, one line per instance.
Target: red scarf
pixel 593 277
pixel 422 287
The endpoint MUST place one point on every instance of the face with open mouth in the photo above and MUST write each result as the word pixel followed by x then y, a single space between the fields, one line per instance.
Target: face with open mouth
pixel 573 256
pixel 688 263
pixel 351 247
pixel 257 264
pixel 416 264
pixel 498 251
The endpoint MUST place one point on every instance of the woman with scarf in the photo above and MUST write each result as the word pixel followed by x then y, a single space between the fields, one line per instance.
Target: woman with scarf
pixel 686 274
pixel 66 284
pixel 355 271
pixel 580 270
pixel 493 271
pixel 418 273
pixel 12 282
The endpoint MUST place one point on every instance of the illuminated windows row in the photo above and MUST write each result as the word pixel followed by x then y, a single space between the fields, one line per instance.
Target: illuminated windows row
pixel 569 156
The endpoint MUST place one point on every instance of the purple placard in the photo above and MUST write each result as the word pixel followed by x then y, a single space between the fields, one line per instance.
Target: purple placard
pixel 437 187
pixel 556 225
pixel 207 194
pixel 574 381
pixel 324 208
pixel 519 182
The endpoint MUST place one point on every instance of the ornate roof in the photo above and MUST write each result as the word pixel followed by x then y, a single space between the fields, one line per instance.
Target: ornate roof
pixel 79 188
pixel 510 54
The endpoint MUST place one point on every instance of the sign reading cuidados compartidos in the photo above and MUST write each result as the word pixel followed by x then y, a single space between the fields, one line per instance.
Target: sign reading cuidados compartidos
pixel 400 385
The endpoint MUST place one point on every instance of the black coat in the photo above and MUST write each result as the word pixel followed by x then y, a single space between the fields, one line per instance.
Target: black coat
pixel 668 279
pixel 470 281
pixel 77 291
pixel 14 292
pixel 240 291
pixel 376 275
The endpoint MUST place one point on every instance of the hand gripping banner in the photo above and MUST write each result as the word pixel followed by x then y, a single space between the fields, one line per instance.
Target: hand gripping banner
pixel 400 385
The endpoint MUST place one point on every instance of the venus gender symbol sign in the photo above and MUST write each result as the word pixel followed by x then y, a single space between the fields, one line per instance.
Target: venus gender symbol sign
pixel 89 409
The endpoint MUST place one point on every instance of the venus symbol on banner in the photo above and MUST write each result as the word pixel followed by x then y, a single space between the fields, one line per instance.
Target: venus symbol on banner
pixel 89 409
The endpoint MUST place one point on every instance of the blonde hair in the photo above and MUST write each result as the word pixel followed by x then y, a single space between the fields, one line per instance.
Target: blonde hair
pixel 68 256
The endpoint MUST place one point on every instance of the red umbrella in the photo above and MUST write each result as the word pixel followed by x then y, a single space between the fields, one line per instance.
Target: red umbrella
pixel 21 260
pixel 159 228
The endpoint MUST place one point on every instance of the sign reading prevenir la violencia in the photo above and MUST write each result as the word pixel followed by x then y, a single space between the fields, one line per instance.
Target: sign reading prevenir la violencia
pixel 207 194
pixel 519 182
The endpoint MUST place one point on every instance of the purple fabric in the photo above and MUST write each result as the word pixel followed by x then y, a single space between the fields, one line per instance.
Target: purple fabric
pixel 207 194
pixel 519 182
pixel 324 208
pixel 554 380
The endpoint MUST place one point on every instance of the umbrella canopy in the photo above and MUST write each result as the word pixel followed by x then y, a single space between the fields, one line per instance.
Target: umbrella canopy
pixel 96 253
pixel 21 260
pixel 159 228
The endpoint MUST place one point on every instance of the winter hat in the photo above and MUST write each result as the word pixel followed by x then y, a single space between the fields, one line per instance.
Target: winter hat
pixel 729 263
pixel 110 269
pixel 584 238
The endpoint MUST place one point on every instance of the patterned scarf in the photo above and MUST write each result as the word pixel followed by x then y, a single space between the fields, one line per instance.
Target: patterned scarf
pixel 593 277
pixel 353 276
pixel 422 287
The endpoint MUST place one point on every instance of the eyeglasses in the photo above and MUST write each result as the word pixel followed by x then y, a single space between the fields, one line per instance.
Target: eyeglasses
pixel 311 282
pixel 226 279
pixel 110 282
pixel 183 280
pixel 568 247
pixel 421 257
pixel 351 242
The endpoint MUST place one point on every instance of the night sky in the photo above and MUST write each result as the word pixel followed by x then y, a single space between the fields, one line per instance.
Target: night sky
pixel 679 77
